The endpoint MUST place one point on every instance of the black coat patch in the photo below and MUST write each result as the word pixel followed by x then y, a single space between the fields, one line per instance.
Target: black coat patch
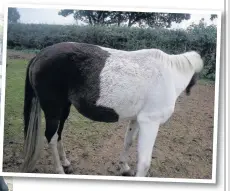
pixel 191 83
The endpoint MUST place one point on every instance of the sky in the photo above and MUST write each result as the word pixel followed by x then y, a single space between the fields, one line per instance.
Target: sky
pixel 50 16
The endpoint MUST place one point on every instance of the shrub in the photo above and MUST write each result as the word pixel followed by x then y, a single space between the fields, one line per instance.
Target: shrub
pixel 199 37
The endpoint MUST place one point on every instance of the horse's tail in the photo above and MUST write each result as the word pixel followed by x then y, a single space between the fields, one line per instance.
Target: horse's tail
pixel 32 125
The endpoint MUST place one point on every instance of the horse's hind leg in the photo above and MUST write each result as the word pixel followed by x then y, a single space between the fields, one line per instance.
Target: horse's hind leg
pixel 65 162
pixel 52 116
pixel 130 135
pixel 52 138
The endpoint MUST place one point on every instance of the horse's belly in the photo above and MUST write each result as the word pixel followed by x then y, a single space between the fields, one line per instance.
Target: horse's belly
pixel 126 101
pixel 96 113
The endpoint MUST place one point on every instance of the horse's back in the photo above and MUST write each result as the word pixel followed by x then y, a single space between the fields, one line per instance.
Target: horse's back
pixel 67 65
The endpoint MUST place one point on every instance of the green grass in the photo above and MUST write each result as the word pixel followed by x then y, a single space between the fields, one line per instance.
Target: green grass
pixel 15 75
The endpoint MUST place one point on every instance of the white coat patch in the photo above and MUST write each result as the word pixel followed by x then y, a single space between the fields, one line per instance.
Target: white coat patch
pixel 133 81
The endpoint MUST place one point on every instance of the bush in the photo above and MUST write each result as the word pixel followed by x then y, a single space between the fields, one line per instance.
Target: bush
pixel 199 37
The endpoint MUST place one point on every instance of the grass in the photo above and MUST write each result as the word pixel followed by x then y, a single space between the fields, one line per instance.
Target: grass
pixel 14 97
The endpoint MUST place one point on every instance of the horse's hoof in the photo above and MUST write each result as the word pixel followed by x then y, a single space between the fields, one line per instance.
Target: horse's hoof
pixel 60 171
pixel 128 173
pixel 68 169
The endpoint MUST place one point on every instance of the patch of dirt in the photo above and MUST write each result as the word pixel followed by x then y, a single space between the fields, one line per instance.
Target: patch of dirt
pixel 14 54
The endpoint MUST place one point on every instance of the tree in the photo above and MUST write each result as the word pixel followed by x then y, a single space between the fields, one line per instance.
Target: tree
pixel 13 15
pixel 213 17
pixel 156 19
pixel 91 17
pixel 126 18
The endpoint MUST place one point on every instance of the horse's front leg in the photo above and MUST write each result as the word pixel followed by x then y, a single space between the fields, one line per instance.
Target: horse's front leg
pixel 130 135
pixel 146 140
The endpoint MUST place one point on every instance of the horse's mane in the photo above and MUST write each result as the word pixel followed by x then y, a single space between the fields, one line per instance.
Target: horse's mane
pixel 181 62
pixel 184 62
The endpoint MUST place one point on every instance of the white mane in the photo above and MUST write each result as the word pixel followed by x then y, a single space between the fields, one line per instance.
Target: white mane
pixel 182 62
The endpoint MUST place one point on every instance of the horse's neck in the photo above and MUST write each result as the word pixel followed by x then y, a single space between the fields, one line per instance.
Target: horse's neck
pixel 182 72
pixel 180 65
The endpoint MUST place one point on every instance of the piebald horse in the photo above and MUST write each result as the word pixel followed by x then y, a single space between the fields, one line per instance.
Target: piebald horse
pixel 105 85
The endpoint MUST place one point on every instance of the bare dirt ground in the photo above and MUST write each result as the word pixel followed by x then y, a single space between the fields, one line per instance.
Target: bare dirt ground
pixel 183 147
pixel 14 54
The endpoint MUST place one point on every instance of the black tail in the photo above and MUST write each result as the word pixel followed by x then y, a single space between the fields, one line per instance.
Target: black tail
pixel 28 97
pixel 32 126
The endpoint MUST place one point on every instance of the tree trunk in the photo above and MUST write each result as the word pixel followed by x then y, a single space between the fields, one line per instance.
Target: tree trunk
pixel 119 20
pixel 130 23
pixel 130 20
pixel 90 20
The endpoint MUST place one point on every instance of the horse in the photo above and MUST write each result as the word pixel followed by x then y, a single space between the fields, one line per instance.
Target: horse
pixel 104 85
pixel 3 185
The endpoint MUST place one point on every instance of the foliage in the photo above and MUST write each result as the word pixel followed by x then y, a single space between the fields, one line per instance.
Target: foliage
pixel 125 18
pixel 213 17
pixel 199 37
pixel 13 15
pixel 203 38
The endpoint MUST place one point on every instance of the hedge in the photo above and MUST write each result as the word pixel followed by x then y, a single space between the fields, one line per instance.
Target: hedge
pixel 199 37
